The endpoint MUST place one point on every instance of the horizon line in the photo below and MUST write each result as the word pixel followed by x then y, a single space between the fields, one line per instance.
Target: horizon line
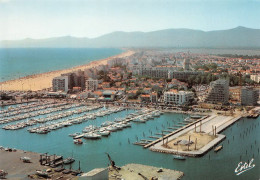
pixel 72 36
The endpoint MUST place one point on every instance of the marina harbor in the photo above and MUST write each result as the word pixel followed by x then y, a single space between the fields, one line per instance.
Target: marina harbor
pixel 83 130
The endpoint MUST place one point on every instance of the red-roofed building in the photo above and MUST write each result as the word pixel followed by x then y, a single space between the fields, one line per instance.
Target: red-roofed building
pixel 145 98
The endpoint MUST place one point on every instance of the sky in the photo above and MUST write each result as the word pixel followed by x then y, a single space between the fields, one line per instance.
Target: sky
pixel 39 19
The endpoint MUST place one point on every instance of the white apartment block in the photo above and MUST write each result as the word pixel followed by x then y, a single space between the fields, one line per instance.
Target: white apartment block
pixel 60 83
pixel 255 77
pixel 91 84
pixel 178 98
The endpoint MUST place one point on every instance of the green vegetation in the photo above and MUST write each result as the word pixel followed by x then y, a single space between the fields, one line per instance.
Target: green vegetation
pixel 234 79
pixel 207 67
pixel 206 78
pixel 120 65
pixel 103 75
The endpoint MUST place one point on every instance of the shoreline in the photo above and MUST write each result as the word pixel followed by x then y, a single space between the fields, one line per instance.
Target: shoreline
pixel 41 81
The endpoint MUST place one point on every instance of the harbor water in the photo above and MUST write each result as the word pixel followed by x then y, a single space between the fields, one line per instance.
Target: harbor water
pixel 241 145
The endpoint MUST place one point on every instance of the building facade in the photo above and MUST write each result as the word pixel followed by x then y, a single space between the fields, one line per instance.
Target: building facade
pixel 76 79
pixel 60 84
pixel 182 75
pixel 218 92
pixel 249 96
pixel 186 64
pixel 178 98
pixel 255 77
pixel 91 84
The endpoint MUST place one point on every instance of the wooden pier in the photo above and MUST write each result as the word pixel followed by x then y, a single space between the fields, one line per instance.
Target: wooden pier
pixel 50 160
pixel 154 137
pixel 167 131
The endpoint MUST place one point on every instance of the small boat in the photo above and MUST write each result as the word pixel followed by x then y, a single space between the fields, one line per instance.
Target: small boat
pixel 3 174
pixel 92 136
pixel 75 134
pixel 179 157
pixel 104 132
pixel 42 173
pixel 111 128
pixel 68 160
pixel 195 116
pixel 218 148
pixel 26 159
pixel 77 141
pixel 141 120
pixel 59 169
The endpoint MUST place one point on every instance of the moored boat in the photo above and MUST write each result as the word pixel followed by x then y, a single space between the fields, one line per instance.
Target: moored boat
pixel 42 173
pixel 68 160
pixel 77 141
pixel 218 148
pixel 104 132
pixel 179 157
pixel 75 134
pixel 92 136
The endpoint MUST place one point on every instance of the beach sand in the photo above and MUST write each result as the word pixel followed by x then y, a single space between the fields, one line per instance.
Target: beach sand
pixel 44 80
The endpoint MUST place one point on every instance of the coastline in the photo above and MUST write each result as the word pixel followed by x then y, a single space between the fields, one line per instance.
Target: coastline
pixel 41 81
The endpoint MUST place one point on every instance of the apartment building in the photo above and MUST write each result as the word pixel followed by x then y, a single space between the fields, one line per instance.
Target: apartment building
pixel 91 84
pixel 249 96
pixel 218 92
pixel 60 84
pixel 177 97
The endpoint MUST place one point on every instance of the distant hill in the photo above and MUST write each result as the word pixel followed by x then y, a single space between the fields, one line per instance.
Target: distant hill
pixel 239 37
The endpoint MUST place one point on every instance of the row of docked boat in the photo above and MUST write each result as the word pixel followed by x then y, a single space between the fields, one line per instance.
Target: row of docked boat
pixel 143 116
pixel 94 132
pixel 44 129
pixel 37 113
pixel 109 111
pixel 60 115
pixel 20 125
pixel 31 109
pixel 25 106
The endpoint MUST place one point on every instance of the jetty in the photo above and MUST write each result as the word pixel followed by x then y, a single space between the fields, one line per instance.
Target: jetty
pixel 208 126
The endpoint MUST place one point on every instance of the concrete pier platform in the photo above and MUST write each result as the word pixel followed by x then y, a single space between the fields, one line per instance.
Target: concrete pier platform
pixel 17 169
pixel 141 172
pixel 201 131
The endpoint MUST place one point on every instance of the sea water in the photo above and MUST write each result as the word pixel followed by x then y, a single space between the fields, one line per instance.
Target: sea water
pixel 241 145
pixel 20 62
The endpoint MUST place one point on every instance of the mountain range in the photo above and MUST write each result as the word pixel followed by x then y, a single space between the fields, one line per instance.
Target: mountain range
pixel 239 37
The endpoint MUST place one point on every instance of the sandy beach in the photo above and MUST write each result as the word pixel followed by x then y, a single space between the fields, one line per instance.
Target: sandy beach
pixel 44 80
